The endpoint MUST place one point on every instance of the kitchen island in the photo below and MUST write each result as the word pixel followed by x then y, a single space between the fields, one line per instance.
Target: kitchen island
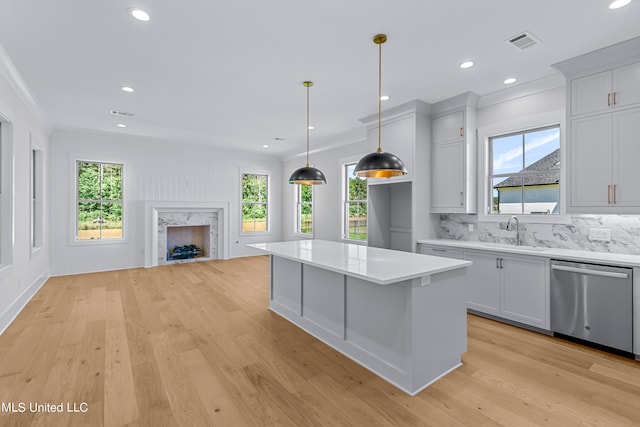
pixel 401 315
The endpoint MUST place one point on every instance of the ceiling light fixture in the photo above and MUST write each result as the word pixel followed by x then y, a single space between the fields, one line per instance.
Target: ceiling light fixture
pixel 307 175
pixel 265 146
pixel 121 125
pixel 617 4
pixel 140 14
pixel 510 80
pixel 466 64
pixel 380 164
pixel 384 98
pixel 127 89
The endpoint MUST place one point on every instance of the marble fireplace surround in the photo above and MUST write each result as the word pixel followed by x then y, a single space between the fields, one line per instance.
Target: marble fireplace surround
pixel 155 209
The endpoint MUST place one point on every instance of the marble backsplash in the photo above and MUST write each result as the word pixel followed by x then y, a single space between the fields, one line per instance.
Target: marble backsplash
pixel 625 232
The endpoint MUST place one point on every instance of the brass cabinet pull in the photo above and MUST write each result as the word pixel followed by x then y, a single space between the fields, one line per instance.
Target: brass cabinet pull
pixel 461 131
pixel 608 100
pixel 614 191
pixel 461 198
pixel 614 102
pixel 609 193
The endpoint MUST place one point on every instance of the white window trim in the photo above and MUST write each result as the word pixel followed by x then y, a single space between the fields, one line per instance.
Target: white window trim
pixel 254 172
pixel 74 158
pixel 343 200
pixel 520 125
pixel 296 231
pixel 7 202
pixel 37 213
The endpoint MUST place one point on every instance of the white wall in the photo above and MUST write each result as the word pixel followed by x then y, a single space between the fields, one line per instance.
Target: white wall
pixel 27 271
pixel 514 109
pixel 327 198
pixel 153 170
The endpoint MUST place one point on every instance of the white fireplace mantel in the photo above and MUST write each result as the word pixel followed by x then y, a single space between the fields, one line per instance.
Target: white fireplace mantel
pixel 153 208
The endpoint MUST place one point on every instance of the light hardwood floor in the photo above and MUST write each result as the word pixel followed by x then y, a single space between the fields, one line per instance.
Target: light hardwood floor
pixel 195 345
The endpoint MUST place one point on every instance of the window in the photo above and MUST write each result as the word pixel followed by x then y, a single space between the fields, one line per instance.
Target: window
pixel 37 198
pixel 304 209
pixel 99 201
pixel 524 172
pixel 355 205
pixel 255 203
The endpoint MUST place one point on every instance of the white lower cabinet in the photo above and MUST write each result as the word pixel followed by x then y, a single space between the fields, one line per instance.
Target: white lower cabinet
pixel 524 294
pixel 511 287
pixel 483 286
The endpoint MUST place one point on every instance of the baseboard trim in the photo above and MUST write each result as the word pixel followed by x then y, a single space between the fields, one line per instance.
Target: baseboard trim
pixel 20 303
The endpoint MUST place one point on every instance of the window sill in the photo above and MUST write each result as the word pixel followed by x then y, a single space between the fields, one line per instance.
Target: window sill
pixel 91 242
pixel 303 235
pixel 255 233
pixel 354 241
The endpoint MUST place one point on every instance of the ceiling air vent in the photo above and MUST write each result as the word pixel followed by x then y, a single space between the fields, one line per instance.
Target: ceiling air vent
pixel 121 113
pixel 523 40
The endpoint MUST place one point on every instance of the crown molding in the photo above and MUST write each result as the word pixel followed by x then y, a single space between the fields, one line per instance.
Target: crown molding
pixel 15 81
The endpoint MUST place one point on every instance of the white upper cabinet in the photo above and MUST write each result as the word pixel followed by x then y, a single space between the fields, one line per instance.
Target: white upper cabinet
pixel 453 159
pixel 605 91
pixel 448 128
pixel 604 124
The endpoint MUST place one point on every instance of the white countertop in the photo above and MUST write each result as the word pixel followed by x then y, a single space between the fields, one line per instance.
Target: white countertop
pixel 381 266
pixel 553 253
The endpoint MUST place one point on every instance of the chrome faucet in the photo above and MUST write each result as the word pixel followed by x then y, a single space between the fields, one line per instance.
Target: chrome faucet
pixel 509 228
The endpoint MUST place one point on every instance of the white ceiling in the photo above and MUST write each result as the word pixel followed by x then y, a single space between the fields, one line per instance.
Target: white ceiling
pixel 230 73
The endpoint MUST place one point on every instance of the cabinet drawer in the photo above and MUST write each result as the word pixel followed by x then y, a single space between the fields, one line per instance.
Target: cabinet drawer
pixel 441 252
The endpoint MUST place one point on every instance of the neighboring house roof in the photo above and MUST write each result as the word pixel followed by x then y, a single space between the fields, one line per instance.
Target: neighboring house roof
pixel 549 162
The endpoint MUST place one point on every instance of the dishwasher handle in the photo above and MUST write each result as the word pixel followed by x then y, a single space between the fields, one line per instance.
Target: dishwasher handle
pixel 590 272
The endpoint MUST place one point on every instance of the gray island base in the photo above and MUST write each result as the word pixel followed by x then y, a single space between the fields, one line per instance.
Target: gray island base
pixel 401 315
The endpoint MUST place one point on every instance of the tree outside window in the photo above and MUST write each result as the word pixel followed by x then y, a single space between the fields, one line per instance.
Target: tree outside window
pixel 100 201
pixel 255 208
pixel 304 210
pixel 355 205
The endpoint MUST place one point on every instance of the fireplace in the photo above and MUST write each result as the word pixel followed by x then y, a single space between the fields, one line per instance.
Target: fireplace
pixel 188 225
pixel 187 242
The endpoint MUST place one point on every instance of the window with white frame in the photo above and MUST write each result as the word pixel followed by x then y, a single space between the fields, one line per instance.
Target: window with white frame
pixel 255 202
pixel 37 198
pixel 304 209
pixel 524 172
pixel 99 201
pixel 355 205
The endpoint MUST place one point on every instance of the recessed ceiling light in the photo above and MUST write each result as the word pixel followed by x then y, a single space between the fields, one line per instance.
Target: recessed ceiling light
pixel 311 127
pixel 265 146
pixel 121 125
pixel 140 14
pixel 617 4
pixel 384 98
pixel 127 89
pixel 510 80
pixel 466 64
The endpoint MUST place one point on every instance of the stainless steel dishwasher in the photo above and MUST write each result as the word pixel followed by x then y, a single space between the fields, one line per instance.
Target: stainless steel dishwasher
pixel 593 303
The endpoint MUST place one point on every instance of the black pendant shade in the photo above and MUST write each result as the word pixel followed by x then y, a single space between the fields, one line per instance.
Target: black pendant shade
pixel 307 175
pixel 380 165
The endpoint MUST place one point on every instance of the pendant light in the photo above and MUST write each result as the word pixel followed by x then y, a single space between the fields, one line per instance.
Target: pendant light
pixel 380 164
pixel 307 175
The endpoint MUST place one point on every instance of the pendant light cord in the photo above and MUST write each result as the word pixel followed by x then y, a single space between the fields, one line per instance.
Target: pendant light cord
pixel 308 85
pixel 379 97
